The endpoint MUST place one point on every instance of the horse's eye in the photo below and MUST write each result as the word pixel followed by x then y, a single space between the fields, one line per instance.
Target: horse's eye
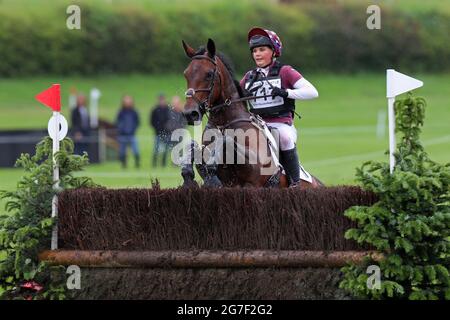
pixel 209 75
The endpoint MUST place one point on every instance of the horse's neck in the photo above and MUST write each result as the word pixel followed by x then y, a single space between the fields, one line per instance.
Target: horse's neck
pixel 235 110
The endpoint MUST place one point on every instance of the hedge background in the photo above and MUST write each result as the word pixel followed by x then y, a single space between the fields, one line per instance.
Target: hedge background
pixel 138 37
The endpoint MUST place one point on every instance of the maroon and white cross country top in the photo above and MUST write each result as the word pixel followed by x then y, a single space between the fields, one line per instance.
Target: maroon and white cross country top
pixel 293 82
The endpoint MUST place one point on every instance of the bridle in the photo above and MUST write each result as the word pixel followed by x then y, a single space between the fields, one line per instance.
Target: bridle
pixel 190 93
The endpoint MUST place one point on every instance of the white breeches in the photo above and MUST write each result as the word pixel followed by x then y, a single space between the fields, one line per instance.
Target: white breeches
pixel 287 135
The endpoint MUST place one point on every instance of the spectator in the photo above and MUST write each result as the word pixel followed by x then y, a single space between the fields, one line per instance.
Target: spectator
pixel 176 118
pixel 176 121
pixel 80 126
pixel 127 122
pixel 158 120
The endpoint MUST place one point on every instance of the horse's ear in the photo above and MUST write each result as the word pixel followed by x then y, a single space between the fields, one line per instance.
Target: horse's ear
pixel 189 51
pixel 211 46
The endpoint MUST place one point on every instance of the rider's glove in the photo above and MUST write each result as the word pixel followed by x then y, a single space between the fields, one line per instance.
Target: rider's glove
pixel 279 92
pixel 246 93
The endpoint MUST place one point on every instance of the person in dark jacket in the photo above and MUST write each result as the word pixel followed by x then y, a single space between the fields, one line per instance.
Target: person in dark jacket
pixel 127 122
pixel 158 120
pixel 80 125
pixel 176 122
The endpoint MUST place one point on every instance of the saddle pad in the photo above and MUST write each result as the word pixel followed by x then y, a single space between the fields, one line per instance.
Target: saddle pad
pixel 272 144
pixel 304 175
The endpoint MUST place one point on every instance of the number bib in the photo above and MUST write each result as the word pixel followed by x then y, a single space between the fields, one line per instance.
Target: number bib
pixel 262 88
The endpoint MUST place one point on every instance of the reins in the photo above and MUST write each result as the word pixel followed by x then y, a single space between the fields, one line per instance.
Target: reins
pixel 204 105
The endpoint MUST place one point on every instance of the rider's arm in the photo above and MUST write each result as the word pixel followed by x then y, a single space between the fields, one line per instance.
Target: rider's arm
pixel 298 87
pixel 303 90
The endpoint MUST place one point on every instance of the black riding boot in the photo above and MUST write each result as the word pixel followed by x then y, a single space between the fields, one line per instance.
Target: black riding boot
pixel 291 165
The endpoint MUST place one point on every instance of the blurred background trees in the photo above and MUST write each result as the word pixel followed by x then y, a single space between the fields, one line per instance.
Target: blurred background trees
pixel 145 36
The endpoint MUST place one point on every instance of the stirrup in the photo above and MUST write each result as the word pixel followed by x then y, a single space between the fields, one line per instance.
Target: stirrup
pixel 294 184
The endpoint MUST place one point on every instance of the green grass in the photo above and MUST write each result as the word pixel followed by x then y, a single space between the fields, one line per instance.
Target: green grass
pixel 336 134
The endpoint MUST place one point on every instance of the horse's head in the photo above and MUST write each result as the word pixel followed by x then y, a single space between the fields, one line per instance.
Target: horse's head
pixel 203 78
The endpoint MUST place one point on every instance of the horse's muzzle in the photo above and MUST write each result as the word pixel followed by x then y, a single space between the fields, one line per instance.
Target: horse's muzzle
pixel 193 116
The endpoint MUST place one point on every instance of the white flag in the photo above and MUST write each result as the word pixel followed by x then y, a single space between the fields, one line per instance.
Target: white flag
pixel 398 83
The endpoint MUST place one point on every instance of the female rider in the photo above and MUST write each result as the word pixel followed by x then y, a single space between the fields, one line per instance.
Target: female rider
pixel 284 85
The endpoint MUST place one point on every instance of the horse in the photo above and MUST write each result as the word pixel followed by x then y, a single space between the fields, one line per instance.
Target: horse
pixel 212 91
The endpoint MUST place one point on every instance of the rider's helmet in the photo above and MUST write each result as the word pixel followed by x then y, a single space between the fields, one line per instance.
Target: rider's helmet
pixel 258 37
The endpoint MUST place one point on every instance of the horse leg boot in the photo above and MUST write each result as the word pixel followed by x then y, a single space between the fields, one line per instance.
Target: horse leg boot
pixel 208 172
pixel 187 172
pixel 187 168
pixel 290 163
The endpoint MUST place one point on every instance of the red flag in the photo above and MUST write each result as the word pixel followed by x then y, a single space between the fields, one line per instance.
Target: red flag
pixel 51 97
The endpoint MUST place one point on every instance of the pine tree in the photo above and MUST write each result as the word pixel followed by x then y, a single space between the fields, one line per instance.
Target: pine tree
pixel 410 224
pixel 26 231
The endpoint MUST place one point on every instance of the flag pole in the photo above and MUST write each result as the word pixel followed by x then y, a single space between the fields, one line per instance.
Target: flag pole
pixel 396 83
pixel 57 130
pixel 54 241
pixel 391 134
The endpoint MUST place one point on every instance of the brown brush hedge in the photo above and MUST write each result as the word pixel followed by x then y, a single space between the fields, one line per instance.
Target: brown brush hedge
pixel 208 219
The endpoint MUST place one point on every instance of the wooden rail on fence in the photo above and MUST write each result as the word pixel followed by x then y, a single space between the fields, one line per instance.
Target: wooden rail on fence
pixel 206 258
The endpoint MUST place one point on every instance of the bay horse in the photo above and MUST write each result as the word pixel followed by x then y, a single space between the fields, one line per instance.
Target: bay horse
pixel 213 92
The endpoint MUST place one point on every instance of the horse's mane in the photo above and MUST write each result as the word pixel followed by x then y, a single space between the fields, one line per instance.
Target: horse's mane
pixel 228 65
